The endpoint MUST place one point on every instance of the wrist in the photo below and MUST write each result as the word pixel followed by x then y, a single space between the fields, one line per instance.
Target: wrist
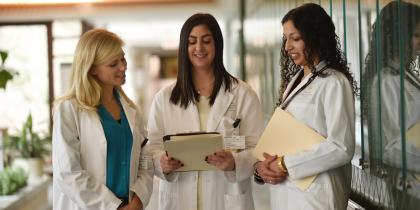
pixel 281 164
pixel 257 177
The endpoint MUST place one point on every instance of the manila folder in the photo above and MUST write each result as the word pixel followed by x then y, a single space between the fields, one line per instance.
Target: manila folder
pixel 286 135
pixel 413 135
pixel 192 149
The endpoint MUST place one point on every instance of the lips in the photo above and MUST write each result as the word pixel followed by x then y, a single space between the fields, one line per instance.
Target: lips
pixel 200 55
pixel 293 55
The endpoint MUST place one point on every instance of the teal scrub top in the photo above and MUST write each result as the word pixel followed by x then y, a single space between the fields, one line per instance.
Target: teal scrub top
pixel 119 143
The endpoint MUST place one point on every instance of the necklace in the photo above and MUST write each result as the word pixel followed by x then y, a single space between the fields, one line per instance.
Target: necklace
pixel 204 88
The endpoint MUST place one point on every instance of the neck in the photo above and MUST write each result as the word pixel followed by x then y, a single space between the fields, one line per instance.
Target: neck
pixel 107 94
pixel 307 70
pixel 203 81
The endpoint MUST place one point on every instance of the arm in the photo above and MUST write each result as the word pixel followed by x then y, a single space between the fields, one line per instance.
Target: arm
pixel 251 126
pixel 156 128
pixel 338 148
pixel 143 186
pixel 69 175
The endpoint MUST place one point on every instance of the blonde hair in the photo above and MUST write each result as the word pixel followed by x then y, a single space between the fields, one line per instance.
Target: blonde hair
pixel 95 47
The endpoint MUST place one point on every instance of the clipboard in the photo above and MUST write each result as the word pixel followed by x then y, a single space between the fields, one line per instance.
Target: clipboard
pixel 286 135
pixel 192 148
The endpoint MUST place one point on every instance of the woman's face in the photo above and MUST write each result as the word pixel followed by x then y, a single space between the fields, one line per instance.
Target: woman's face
pixel 294 45
pixel 111 73
pixel 201 49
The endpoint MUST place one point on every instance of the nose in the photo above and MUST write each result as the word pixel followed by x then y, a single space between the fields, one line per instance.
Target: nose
pixel 198 46
pixel 287 45
pixel 123 66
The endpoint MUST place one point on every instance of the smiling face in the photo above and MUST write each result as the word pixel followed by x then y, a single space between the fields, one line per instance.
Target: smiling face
pixel 294 44
pixel 111 73
pixel 201 48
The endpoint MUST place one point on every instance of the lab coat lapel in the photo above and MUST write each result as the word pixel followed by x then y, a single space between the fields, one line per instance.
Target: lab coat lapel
pixel 303 82
pixel 320 66
pixel 220 106
pixel 130 113
pixel 289 86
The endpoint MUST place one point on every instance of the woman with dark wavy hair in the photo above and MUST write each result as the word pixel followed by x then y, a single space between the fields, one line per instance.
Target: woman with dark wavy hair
pixel 318 90
pixel 205 97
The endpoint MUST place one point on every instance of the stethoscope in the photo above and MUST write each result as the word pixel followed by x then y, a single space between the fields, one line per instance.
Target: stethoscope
pixel 283 105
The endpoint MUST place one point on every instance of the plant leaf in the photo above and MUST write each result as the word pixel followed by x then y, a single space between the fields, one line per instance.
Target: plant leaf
pixel 4 77
pixel 3 55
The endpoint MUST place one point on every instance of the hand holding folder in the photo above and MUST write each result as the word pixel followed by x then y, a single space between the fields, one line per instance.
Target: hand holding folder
pixel 192 148
pixel 286 135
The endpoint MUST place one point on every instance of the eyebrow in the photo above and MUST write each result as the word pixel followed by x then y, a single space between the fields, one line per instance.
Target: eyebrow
pixel 205 35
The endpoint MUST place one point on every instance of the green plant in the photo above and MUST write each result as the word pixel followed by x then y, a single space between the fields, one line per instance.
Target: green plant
pixel 27 143
pixel 5 74
pixel 11 180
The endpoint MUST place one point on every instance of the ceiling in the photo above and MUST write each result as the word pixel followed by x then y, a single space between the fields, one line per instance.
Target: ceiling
pixel 102 11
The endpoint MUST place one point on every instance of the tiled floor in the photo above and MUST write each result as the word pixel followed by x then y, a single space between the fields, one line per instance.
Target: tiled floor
pixel 260 193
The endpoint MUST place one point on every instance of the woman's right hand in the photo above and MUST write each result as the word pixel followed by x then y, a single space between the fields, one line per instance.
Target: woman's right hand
pixel 267 173
pixel 169 164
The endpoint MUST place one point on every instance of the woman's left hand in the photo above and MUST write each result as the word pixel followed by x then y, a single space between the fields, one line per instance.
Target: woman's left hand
pixel 223 160
pixel 135 203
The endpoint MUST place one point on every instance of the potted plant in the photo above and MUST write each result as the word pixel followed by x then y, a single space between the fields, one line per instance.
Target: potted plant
pixel 11 180
pixel 27 149
pixel 5 74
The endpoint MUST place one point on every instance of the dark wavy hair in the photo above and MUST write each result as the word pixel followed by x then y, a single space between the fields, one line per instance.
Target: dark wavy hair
pixel 385 31
pixel 318 32
pixel 391 32
pixel 184 91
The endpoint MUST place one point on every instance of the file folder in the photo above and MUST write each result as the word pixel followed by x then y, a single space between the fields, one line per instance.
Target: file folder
pixel 413 135
pixel 192 148
pixel 286 135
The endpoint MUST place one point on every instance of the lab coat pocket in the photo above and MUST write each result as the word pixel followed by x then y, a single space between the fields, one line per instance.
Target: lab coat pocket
pixel 241 201
pixel 315 197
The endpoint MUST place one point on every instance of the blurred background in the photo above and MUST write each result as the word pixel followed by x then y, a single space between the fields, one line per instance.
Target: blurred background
pixel 38 38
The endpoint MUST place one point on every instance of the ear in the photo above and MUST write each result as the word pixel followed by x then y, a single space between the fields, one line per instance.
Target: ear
pixel 93 71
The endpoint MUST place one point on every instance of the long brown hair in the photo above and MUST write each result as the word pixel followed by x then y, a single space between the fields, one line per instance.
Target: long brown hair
pixel 184 92
pixel 318 33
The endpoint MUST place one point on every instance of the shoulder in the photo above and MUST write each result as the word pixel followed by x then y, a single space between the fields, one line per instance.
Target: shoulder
pixel 334 83
pixel 332 77
pixel 65 107
pixel 164 93
pixel 242 88
pixel 65 104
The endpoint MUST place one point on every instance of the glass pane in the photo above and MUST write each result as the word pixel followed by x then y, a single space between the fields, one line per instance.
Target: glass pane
pixel 28 92
pixel 392 100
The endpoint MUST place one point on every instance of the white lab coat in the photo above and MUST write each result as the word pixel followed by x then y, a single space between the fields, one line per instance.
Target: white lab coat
pixel 221 190
pixel 327 106
pixel 390 103
pixel 79 159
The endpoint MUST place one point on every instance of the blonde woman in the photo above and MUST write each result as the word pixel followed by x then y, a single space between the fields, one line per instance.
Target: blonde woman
pixel 98 133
